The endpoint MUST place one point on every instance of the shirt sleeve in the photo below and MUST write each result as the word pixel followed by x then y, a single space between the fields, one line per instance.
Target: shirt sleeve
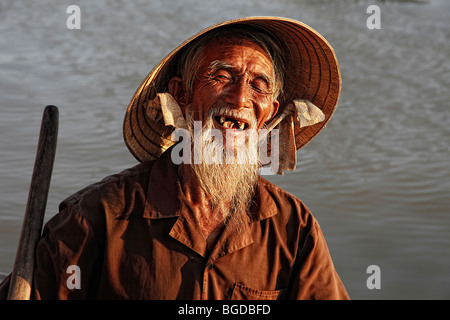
pixel 67 257
pixel 315 277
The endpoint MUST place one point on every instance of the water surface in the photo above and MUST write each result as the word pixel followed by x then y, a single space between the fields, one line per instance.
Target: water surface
pixel 377 178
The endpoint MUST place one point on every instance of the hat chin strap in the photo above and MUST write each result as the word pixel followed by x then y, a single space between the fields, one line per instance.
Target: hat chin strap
pixel 306 114
pixel 299 113
pixel 171 111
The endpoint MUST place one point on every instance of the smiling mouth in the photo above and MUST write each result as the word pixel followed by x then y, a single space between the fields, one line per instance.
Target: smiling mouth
pixel 231 123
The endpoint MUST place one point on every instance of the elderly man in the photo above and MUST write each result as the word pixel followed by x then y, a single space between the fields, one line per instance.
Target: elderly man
pixel 176 228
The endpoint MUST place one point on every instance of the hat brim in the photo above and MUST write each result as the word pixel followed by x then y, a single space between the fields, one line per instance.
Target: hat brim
pixel 311 73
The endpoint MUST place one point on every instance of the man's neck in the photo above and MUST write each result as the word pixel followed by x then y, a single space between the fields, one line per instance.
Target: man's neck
pixel 211 220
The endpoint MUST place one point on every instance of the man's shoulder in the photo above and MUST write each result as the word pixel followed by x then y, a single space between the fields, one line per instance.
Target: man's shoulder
pixel 276 192
pixel 285 207
pixel 112 189
pixel 85 212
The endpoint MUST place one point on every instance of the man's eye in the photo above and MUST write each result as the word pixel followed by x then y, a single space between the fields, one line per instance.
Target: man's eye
pixel 221 76
pixel 260 86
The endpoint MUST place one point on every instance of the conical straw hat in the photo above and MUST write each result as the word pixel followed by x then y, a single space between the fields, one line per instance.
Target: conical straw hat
pixel 311 73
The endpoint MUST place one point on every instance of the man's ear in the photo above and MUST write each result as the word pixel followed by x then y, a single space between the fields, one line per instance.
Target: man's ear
pixel 275 106
pixel 175 88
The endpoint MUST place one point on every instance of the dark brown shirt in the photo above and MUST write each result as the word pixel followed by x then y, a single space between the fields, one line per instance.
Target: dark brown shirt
pixel 133 236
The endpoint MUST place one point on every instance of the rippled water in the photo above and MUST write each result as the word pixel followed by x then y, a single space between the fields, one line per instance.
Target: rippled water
pixel 377 178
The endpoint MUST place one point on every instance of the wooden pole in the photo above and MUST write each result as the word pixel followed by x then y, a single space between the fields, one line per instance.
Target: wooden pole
pixel 22 274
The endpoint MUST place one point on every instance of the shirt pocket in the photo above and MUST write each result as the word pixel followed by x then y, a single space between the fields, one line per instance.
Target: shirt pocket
pixel 242 292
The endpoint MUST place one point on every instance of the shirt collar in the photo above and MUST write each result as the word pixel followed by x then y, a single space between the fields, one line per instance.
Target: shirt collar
pixel 163 195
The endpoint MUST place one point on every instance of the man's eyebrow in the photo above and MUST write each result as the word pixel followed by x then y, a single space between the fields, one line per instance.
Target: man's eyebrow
pixel 217 64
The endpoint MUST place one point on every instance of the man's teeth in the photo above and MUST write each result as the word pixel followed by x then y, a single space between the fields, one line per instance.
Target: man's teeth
pixel 231 123
pixel 222 120
pixel 228 124
pixel 241 125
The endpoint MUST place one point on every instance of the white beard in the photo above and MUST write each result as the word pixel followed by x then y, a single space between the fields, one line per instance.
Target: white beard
pixel 230 186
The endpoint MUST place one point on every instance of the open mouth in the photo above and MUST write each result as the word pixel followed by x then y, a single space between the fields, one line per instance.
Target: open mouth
pixel 231 123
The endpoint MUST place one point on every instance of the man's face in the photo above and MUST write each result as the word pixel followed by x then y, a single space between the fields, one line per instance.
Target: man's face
pixel 232 93
pixel 237 77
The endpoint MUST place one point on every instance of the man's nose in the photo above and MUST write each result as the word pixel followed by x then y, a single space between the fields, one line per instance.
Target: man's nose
pixel 238 95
